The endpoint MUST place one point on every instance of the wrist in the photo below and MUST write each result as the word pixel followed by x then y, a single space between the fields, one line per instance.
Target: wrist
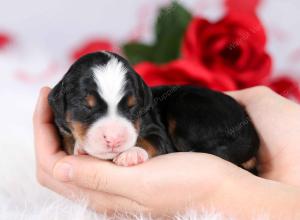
pixel 249 197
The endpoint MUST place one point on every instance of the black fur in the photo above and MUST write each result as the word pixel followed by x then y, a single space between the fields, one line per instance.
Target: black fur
pixel 206 121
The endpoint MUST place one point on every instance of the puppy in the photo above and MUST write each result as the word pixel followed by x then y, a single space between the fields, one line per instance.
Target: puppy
pixel 103 108
pixel 202 120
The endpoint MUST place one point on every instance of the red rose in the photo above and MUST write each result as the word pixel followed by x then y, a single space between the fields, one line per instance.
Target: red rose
pixel 183 72
pixel 234 46
pixel 93 46
pixel 286 86
pixel 248 6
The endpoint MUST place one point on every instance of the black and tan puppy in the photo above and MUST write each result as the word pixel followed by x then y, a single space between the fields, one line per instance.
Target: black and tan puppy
pixel 103 108
pixel 202 120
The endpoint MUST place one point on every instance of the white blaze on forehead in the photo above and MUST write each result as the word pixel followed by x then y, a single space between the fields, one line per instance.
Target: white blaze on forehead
pixel 110 79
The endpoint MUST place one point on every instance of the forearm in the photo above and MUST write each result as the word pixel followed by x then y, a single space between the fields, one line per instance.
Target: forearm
pixel 252 197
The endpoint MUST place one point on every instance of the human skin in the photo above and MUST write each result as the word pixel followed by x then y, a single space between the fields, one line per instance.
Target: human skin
pixel 170 183
pixel 277 121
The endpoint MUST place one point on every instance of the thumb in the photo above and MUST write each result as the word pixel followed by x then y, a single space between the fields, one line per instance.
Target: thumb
pixel 98 175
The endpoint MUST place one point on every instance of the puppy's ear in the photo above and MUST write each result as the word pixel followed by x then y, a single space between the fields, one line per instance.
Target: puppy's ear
pixel 144 92
pixel 56 100
pixel 148 99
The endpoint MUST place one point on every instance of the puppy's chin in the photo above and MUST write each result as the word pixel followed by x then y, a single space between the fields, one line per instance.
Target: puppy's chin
pixel 95 142
pixel 105 156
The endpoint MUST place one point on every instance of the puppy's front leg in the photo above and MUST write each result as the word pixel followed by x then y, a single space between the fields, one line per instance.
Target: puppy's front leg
pixel 131 157
pixel 151 142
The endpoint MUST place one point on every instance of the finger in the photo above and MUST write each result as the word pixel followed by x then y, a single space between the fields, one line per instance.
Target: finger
pixel 44 129
pixel 47 144
pixel 237 95
pixel 42 113
pixel 249 95
pixel 94 174
pixel 233 94
pixel 98 201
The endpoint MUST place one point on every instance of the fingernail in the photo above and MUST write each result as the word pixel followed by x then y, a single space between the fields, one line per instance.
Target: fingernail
pixel 63 172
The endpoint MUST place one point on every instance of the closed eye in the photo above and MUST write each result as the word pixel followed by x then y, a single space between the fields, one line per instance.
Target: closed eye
pixel 131 102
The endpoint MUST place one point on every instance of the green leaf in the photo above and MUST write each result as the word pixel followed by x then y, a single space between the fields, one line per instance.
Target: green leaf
pixel 137 52
pixel 170 27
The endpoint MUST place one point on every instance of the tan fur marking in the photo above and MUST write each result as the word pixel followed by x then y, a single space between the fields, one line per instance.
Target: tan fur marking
pixel 79 130
pixel 68 140
pixel 147 146
pixel 68 117
pixel 250 164
pixel 131 101
pixel 137 125
pixel 91 101
pixel 172 127
pixel 68 144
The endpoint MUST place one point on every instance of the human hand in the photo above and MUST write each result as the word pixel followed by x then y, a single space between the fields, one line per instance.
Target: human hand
pixel 162 185
pixel 277 121
pixel 49 156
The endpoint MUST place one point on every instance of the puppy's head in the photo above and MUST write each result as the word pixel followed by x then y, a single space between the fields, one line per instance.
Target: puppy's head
pixel 99 102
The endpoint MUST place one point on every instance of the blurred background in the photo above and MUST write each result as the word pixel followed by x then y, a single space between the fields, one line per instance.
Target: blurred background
pixel 39 39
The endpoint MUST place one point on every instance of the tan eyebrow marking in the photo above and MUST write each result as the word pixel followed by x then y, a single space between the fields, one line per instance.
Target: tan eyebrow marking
pixel 131 101
pixel 91 101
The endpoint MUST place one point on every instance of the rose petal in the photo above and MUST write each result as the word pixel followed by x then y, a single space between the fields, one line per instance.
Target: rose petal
pixel 183 72
pixel 247 6
pixel 190 47
pixel 248 24
pixel 92 46
pixel 286 86
pixel 257 75
pixel 233 46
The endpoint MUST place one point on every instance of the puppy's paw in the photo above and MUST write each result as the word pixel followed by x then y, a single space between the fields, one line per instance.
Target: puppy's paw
pixel 131 157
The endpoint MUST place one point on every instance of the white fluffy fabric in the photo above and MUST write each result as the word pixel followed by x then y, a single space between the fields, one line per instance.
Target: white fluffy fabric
pixel 21 197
